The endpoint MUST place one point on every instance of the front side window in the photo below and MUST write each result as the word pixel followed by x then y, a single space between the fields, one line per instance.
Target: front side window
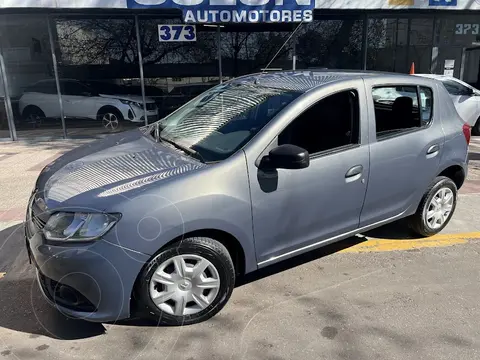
pixel 397 110
pixel 223 119
pixel 331 123
pixel 74 88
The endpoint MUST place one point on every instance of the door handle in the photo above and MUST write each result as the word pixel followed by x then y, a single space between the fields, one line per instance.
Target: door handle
pixel 354 173
pixel 433 151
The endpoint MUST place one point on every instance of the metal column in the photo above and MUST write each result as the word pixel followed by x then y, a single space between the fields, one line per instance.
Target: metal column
pixel 57 80
pixel 8 103
pixel 365 42
pixel 294 51
pixel 219 49
pixel 140 64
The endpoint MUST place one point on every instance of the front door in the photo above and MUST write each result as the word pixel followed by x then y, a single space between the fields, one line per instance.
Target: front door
pixel 296 210
pixel 77 100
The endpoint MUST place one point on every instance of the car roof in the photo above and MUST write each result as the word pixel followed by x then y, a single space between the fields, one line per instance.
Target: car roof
pixel 304 80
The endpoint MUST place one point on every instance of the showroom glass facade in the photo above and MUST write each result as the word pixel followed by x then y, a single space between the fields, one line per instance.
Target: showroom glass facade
pixel 83 75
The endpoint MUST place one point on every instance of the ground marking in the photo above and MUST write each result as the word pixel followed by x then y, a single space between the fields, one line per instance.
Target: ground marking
pixel 441 240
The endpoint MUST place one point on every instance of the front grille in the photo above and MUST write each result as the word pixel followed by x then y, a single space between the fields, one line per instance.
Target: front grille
pixel 36 216
pixel 151 106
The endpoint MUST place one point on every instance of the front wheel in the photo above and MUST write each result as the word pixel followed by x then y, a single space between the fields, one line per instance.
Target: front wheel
pixel 188 282
pixel 436 208
pixel 111 118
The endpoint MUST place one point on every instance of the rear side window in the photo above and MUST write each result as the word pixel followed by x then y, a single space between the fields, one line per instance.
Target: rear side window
pixel 397 109
pixel 426 101
pixel 44 87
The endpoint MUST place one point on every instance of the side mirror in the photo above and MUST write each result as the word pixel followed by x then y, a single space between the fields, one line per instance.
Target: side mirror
pixel 287 157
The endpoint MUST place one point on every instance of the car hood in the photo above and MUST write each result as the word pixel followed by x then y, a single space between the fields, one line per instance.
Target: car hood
pixel 119 164
pixel 135 98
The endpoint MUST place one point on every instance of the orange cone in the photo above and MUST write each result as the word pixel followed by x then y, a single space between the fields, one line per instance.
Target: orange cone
pixel 412 68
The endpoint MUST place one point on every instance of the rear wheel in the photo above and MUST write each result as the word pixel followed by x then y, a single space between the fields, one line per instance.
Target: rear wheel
pixel 33 115
pixel 188 282
pixel 476 128
pixel 436 208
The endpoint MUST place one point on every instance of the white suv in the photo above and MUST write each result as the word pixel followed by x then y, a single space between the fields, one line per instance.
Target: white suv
pixel 105 102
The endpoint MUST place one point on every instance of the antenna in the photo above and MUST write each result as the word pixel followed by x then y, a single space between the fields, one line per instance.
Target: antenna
pixel 281 47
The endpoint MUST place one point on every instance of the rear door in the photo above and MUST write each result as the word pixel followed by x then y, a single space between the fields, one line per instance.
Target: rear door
pixel 45 96
pixel 405 150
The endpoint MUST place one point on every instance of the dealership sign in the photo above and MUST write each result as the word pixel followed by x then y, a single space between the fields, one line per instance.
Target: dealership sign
pixel 236 11
pixel 247 11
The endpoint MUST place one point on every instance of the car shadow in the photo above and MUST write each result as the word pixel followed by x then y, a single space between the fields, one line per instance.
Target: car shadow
pixel 22 306
pixel 398 230
pixel 300 260
pixel 474 156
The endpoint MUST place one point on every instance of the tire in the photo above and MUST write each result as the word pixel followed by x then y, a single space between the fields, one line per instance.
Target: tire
pixel 33 115
pixel 419 223
pixel 476 128
pixel 197 309
pixel 111 118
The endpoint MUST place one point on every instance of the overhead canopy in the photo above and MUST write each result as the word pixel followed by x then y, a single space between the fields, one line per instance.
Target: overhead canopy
pixel 247 11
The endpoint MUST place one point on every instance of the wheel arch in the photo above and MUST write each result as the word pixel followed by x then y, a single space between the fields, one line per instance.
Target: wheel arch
pixel 30 107
pixel 106 108
pixel 456 173
pixel 233 245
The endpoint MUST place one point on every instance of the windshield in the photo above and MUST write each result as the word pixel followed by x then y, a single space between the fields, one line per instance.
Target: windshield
pixel 223 119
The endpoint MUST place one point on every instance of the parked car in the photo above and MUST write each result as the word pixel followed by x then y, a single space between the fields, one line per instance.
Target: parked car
pixel 162 220
pixel 108 103
pixel 465 97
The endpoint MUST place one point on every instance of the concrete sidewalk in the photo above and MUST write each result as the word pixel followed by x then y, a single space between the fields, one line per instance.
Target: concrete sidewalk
pixel 354 300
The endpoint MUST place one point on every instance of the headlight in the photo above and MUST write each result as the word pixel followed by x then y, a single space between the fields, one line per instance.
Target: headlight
pixel 68 226
pixel 134 103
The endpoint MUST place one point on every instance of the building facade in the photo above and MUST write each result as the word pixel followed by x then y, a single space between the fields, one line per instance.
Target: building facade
pixel 86 67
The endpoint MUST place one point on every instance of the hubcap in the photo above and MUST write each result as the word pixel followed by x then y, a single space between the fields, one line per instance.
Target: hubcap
pixel 439 208
pixel 110 121
pixel 184 285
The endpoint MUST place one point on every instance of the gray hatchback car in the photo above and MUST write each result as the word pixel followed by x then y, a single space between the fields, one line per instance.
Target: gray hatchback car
pixel 163 219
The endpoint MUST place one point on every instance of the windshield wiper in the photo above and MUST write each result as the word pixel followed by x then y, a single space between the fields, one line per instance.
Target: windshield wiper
pixel 185 149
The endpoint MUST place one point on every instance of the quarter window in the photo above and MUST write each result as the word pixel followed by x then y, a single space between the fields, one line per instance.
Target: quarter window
pixel 331 123
pixel 397 110
pixel 455 88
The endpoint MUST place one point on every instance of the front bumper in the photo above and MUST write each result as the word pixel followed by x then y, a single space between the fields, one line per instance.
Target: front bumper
pixel 136 114
pixel 90 281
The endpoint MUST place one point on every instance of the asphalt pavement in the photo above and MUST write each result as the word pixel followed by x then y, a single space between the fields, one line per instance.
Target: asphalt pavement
pixel 382 295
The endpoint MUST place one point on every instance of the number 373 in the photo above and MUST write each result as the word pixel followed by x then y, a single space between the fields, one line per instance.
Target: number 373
pixel 467 29
pixel 177 32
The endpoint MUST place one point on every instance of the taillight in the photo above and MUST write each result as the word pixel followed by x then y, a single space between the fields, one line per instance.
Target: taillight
pixel 466 132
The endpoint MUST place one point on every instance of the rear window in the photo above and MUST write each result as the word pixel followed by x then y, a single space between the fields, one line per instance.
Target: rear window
pixel 397 109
